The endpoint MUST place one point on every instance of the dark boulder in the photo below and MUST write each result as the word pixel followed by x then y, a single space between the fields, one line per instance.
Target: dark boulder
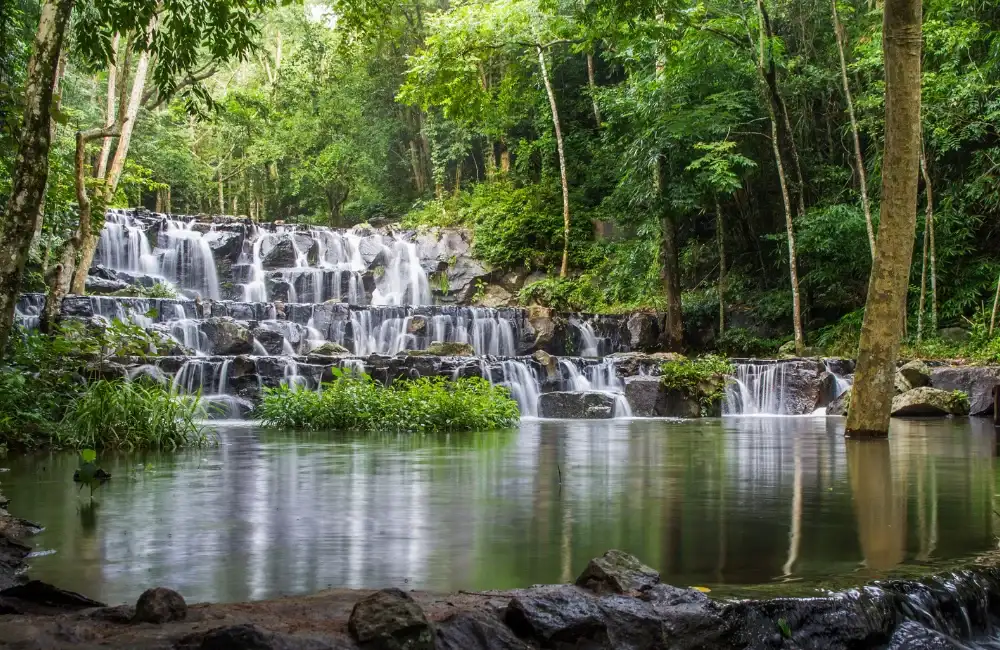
pixel 160 605
pixel 102 287
pixel 225 244
pixel 976 382
pixel 464 631
pixel 644 332
pixel 281 255
pixel 617 572
pixel 556 614
pixel 42 594
pixel 840 405
pixel 272 342
pixel 576 405
pixel 227 337
pixel 390 620
pixel 648 397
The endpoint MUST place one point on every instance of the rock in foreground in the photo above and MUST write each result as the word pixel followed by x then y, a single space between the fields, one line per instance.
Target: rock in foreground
pixel 929 402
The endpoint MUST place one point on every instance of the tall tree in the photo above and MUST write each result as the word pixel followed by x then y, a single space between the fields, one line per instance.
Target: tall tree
pixel 17 228
pixel 871 400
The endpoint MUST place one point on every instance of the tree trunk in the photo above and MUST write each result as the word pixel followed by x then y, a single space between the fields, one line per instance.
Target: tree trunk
pixel 91 239
pixel 871 399
pixel 57 102
pixel 591 79
pixel 169 206
pixel 929 225
pixel 720 237
pixel 458 179
pixel 111 114
pixel 222 193
pixel 670 274
pixel 923 282
pixel 504 158
pixel 859 161
pixel 31 167
pixel 769 100
pixel 564 269
pixel 996 307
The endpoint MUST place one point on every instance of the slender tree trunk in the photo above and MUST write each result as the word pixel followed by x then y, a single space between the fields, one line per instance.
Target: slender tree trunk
pixel 670 273
pixel 923 282
pixel 117 166
pixel 871 399
pixel 769 100
pixel 564 269
pixel 222 193
pixel 169 206
pixel 504 157
pixel 111 115
pixel 929 225
pixel 57 102
pixel 31 167
pixel 859 161
pixel 720 238
pixel 458 179
pixel 591 79
pixel 996 307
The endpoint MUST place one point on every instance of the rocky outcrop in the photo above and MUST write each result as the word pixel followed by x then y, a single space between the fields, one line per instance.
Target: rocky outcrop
pixel 929 402
pixel 975 381
pixel 644 332
pixel 227 336
pixel 576 405
pixel 648 397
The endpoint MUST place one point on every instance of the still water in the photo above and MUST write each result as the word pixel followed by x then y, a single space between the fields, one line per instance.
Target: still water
pixel 740 505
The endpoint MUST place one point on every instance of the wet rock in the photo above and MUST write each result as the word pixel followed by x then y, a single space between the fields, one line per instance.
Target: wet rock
pixel 41 593
pixel 648 397
pixel 542 322
pixel 842 367
pixel 548 362
pixel 390 620
pixel 976 382
pixel 439 349
pixel 556 614
pixel 914 636
pixel 77 306
pixel 328 351
pixel 576 405
pixel 373 252
pixel 496 297
pixel 802 387
pixel 644 332
pixel 416 325
pixel 250 637
pixel 900 384
pixel 225 244
pixel 272 342
pixel 227 337
pixel 119 614
pixel 929 402
pixel 916 373
pixel 465 631
pixel 160 605
pixel 464 277
pixel 840 405
pixel 617 572
pixel 281 255
pixel 102 287
pixel 513 280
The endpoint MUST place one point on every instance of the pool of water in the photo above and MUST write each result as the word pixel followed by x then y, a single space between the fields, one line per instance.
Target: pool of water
pixel 739 505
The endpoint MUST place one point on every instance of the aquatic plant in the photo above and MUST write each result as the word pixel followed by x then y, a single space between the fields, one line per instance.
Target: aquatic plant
pixel 357 402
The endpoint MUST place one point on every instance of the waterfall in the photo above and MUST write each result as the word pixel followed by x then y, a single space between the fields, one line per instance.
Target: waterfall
pixel 187 259
pixel 523 384
pixel 28 310
pixel 403 281
pixel 601 377
pixel 756 389
pixel 256 289
pixel 391 330
pixel 840 384
pixel 588 337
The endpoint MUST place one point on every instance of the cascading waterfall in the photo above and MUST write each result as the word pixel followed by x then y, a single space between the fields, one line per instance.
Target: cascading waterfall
pixel 390 330
pixel 404 281
pixel 602 377
pixel 523 384
pixel 756 389
pixel 588 337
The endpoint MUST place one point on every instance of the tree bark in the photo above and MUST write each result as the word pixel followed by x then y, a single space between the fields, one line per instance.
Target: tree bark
pixel 859 161
pixel 31 167
pixel 557 125
pixel 670 273
pixel 871 399
pixel 720 238
pixel 929 225
pixel 111 115
pixel 591 79
pixel 996 307
pixel 769 100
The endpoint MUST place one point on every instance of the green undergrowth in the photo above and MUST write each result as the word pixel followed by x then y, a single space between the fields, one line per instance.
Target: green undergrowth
pixel 61 391
pixel 703 379
pixel 357 402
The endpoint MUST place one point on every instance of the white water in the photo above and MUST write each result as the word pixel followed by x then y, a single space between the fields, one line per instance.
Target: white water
pixel 591 344
pixel 602 377
pixel 756 389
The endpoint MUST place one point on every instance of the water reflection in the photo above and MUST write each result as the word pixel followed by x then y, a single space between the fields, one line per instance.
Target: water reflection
pixel 723 503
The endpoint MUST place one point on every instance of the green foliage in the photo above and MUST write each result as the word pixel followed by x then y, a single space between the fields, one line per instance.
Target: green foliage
pixel 704 378
pixel 353 402
pixel 784 628
pixel 119 414
pixel 741 342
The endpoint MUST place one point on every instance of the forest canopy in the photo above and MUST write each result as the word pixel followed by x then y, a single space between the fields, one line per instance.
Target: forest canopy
pixel 719 158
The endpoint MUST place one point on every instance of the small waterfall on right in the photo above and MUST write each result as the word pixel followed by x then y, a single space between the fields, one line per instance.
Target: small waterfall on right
pixel 756 389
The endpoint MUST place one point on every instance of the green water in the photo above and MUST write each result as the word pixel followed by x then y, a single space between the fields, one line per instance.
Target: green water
pixel 740 505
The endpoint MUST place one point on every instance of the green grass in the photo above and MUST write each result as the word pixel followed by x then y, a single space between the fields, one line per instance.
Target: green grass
pixel 352 402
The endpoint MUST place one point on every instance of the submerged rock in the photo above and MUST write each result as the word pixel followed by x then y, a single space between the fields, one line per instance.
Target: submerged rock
pixel 576 405
pixel 390 620
pixel 160 605
pixel 976 382
pixel 617 572
pixel 929 402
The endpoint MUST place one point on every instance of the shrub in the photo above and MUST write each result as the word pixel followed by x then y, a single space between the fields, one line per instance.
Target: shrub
pixel 117 414
pixel 741 342
pixel 704 379
pixel 357 402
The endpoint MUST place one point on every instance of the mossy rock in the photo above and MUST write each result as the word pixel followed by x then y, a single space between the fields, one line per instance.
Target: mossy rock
pixel 440 349
pixel 330 350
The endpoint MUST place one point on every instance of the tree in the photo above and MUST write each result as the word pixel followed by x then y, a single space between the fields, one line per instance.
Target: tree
pixel 871 398
pixel 31 166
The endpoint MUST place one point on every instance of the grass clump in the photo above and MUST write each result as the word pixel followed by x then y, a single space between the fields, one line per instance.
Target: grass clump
pixel 357 402
pixel 703 379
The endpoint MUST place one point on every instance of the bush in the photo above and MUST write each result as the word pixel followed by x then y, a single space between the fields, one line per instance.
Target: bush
pixel 118 414
pixel 704 379
pixel 357 402
pixel 741 342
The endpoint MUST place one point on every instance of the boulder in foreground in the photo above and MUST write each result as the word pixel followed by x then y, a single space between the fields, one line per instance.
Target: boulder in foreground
pixel 617 572
pixel 930 402
pixel 390 620
pixel 160 605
